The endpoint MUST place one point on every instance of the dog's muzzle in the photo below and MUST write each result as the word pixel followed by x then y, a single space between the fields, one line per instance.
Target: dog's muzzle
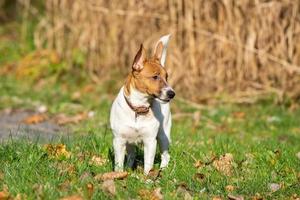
pixel 166 95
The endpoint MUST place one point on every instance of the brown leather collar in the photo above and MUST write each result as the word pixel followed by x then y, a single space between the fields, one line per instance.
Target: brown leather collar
pixel 139 110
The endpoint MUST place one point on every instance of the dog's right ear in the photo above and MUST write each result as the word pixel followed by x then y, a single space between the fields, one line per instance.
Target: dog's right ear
pixel 139 59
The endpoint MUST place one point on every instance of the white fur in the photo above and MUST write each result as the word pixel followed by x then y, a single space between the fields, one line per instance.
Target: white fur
pixel 129 130
pixel 165 40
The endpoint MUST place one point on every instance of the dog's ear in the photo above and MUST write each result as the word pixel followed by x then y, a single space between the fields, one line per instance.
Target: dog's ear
pixel 140 57
pixel 160 50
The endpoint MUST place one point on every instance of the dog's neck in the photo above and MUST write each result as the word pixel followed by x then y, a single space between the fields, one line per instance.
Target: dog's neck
pixel 137 98
pixel 134 96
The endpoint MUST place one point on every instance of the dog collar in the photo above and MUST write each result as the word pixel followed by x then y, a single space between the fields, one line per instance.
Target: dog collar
pixel 139 110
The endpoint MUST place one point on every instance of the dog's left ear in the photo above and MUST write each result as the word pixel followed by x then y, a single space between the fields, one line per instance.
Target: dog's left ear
pixel 139 59
pixel 160 50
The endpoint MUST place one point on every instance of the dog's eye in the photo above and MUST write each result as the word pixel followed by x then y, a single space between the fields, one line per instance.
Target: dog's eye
pixel 155 77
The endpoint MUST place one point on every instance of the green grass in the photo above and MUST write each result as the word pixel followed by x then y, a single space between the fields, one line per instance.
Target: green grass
pixel 269 133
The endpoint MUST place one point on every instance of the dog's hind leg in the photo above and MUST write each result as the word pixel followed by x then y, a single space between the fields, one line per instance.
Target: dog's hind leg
pixel 130 155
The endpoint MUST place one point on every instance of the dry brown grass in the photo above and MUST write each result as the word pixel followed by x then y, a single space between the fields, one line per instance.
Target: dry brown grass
pixel 244 48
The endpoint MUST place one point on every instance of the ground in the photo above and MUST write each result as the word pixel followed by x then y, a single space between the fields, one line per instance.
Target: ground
pixel 259 145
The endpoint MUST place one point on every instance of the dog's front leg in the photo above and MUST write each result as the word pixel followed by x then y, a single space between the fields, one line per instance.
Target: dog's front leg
pixel 149 153
pixel 119 149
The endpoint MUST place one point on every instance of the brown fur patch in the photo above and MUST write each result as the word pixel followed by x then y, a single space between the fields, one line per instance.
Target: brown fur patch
pixel 144 80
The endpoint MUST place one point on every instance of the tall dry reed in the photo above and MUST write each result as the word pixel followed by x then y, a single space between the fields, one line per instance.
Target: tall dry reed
pixel 242 48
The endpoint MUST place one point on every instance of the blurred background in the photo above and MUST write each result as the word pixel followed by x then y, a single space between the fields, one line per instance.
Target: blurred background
pixel 221 50
pixel 235 67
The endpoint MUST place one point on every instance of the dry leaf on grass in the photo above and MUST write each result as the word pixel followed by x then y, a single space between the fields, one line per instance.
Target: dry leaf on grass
pixel 239 115
pixel 57 151
pixel 233 197
pixel 199 177
pixel 4 195
pixel 111 176
pixel 229 188
pixel 151 195
pixel 63 119
pixel 20 197
pixel 72 197
pixel 98 161
pixel 198 164
pixel 35 119
pixel 90 189
pixel 224 164
pixel 257 197
pixel 184 192
pixel 109 187
pixel 295 197
pixel 154 174
pixel 216 198
pixel 65 186
pixel 66 168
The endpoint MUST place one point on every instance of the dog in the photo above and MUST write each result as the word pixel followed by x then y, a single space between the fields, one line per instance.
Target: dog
pixel 141 110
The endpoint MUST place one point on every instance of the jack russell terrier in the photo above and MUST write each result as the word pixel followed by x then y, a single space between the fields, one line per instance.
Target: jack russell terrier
pixel 141 111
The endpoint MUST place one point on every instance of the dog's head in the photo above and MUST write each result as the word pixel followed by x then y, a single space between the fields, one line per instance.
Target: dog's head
pixel 149 75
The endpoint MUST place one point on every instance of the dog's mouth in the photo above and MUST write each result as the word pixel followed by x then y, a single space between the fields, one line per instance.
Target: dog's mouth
pixel 165 96
pixel 163 100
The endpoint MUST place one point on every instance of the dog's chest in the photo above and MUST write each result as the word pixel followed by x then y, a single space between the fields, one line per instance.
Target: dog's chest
pixel 138 128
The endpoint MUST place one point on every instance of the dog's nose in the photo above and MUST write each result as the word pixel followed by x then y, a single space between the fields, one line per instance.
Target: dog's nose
pixel 171 94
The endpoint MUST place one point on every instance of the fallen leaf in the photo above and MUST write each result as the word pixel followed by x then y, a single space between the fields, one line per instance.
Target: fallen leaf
pixel 98 161
pixel 224 164
pixel 257 197
pixel 4 195
pixel 72 197
pixel 57 151
pixel 198 164
pixel 154 174
pixel 109 187
pixel 111 176
pixel 90 189
pixel 232 197
pixel 229 188
pixel 35 119
pixel 239 115
pixel 76 95
pixel 295 197
pixel 184 192
pixel 199 176
pixel 38 190
pixel 65 186
pixel 20 197
pixel 63 119
pixel 151 195
pixel 274 187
